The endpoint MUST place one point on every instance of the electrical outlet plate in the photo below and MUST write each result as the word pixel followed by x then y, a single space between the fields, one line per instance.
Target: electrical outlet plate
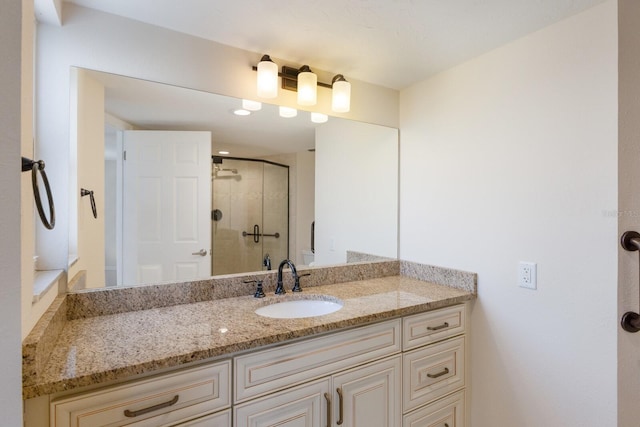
pixel 527 277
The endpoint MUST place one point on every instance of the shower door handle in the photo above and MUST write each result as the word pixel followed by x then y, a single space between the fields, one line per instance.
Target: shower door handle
pixel 256 234
pixel 201 252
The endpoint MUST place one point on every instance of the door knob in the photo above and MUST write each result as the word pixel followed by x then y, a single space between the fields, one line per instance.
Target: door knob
pixel 201 252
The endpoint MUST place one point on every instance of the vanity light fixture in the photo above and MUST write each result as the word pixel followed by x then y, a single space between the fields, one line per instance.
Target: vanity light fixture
pixel 307 86
pixel 287 112
pixel 303 81
pixel 319 118
pixel 249 105
pixel 267 78
pixel 341 94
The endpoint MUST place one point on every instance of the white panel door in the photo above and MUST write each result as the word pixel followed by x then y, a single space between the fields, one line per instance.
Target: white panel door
pixel 167 205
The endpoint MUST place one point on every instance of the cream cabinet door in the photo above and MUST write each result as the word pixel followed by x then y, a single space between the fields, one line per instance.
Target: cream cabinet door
pixel 222 419
pixel 303 406
pixel 369 396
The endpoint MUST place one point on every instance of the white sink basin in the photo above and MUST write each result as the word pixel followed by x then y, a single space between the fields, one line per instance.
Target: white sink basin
pixel 299 308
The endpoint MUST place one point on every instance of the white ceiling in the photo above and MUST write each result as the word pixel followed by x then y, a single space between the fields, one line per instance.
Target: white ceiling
pixel 392 43
pixel 151 105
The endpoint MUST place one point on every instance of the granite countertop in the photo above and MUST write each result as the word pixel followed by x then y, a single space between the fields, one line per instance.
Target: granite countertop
pixel 104 348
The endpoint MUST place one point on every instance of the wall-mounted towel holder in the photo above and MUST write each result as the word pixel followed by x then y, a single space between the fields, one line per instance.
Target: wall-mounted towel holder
pixel 35 167
pixel 89 193
pixel 630 241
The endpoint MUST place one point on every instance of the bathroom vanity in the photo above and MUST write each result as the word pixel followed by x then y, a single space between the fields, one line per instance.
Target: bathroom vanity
pixel 393 355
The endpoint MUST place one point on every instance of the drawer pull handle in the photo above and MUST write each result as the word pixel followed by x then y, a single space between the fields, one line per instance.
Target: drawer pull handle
pixel 131 414
pixel 341 406
pixel 445 371
pixel 437 328
pixel 328 398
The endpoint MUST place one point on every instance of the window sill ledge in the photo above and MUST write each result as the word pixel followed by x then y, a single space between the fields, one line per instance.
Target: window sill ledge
pixel 44 280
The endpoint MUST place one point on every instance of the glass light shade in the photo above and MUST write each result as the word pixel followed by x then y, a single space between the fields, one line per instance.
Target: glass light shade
pixel 241 112
pixel 307 88
pixel 251 105
pixel 267 78
pixel 287 112
pixel 341 96
pixel 319 118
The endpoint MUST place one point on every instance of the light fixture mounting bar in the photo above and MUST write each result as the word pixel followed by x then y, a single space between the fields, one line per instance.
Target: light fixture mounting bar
pixel 289 77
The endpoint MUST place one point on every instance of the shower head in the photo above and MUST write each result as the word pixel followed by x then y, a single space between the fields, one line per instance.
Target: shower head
pixel 219 172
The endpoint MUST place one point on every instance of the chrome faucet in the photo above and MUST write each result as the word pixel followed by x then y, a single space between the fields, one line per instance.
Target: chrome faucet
pixel 280 288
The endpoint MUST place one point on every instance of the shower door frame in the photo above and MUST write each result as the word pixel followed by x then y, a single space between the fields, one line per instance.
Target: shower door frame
pixel 217 159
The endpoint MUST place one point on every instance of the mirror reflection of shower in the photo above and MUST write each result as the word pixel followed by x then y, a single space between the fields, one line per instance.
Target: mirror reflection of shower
pixel 219 172
pixel 250 214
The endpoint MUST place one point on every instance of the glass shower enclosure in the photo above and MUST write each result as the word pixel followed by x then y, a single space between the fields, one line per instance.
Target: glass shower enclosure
pixel 250 214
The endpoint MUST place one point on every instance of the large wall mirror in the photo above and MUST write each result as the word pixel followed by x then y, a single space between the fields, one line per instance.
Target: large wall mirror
pixel 185 188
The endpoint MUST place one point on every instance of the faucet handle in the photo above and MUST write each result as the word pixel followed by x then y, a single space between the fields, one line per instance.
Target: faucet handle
pixel 259 291
pixel 296 285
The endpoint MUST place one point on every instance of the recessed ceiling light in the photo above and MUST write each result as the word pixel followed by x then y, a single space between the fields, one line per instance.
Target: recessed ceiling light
pixel 241 112
pixel 319 118
pixel 223 152
pixel 287 112
pixel 251 105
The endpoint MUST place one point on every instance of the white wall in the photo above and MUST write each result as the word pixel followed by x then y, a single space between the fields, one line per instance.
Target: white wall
pixel 628 206
pixel 109 43
pixel 512 157
pixel 87 129
pixel 16 33
pixel 356 188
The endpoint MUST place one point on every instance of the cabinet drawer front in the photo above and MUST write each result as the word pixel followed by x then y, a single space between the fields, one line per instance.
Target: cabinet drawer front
pixel 265 371
pixel 431 372
pixel 198 390
pixel 448 411
pixel 426 328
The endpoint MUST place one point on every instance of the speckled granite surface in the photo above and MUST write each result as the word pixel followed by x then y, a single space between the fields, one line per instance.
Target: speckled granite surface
pixel 98 336
pixel 354 256
pixel 38 346
pixel 444 276
pixel 98 302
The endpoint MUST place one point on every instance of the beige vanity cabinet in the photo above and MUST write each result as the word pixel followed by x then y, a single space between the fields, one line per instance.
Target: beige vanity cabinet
pixel 350 378
pixel 369 396
pixel 366 396
pixel 304 406
pixel 173 399
pixel 407 372
pixel 434 372
pixel 219 419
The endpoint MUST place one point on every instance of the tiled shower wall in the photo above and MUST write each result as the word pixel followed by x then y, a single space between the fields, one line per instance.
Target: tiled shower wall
pixel 244 202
